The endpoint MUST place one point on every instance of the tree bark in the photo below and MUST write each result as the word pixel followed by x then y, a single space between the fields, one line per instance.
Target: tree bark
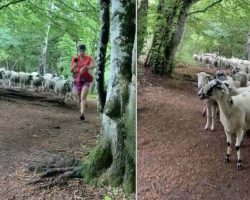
pixel 101 52
pixel 167 37
pixel 248 46
pixel 142 24
pixel 43 54
pixel 116 149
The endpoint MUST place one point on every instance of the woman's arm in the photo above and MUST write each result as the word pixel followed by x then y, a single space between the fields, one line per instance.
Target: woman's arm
pixel 73 67
pixel 74 64
pixel 91 65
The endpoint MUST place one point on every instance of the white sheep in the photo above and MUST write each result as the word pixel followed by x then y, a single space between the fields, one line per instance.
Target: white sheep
pixel 25 80
pixel 47 81
pixel 62 87
pixel 14 78
pixel 6 77
pixel 235 91
pixel 234 113
pixel 227 79
pixel 210 105
pixel 241 77
pixel 38 83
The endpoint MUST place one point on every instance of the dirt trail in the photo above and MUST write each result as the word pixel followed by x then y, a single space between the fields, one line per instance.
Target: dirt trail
pixel 33 126
pixel 177 158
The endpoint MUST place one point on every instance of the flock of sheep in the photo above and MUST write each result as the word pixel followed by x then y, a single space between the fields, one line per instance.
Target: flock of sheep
pixel 230 95
pixel 212 60
pixel 49 82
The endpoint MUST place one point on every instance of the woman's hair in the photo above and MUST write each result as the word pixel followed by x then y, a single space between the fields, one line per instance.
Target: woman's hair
pixel 82 47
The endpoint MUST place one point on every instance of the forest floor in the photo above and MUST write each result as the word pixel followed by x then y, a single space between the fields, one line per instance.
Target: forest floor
pixel 177 158
pixel 35 127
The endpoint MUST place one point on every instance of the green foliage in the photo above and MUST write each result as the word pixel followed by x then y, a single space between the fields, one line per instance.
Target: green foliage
pixel 168 18
pixel 23 27
pixel 222 28
pixel 22 30
pixel 107 198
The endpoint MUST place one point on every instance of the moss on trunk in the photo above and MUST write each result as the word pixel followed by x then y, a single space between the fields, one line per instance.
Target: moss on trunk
pixel 113 160
pixel 129 176
pixel 99 158
pixel 172 17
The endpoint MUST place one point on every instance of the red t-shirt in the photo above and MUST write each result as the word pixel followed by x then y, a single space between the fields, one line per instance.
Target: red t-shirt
pixel 81 64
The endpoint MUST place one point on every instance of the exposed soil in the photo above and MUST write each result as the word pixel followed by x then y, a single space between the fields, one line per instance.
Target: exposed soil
pixel 177 158
pixel 36 126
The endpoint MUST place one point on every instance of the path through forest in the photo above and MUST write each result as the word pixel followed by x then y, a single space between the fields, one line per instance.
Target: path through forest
pixel 177 158
pixel 35 126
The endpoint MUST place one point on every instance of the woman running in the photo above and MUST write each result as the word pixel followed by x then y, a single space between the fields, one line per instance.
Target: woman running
pixel 80 66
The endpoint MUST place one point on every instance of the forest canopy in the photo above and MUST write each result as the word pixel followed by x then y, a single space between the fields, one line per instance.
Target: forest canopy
pixel 23 29
pixel 223 28
pixel 220 26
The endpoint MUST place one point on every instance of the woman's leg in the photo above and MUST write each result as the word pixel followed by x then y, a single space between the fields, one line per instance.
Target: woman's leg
pixel 77 95
pixel 79 99
pixel 84 95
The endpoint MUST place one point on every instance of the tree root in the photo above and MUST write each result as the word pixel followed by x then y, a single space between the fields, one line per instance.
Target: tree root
pixel 54 170
pixel 56 176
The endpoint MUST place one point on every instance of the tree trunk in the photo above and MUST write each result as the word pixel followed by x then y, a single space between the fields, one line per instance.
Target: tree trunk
pixel 168 35
pixel 142 25
pixel 101 52
pixel 114 157
pixel 43 58
pixel 92 88
pixel 7 64
pixel 248 46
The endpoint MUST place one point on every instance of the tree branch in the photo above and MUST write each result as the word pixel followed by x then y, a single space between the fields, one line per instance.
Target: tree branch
pixel 205 9
pixel 12 2
pixel 76 10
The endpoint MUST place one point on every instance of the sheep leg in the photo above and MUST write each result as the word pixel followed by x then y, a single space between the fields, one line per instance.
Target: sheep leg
pixel 217 111
pixel 208 117
pixel 229 142
pixel 237 147
pixel 213 117
pixel 242 136
pixel 204 112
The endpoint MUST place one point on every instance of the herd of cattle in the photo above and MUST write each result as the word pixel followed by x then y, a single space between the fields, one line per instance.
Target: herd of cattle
pixel 49 82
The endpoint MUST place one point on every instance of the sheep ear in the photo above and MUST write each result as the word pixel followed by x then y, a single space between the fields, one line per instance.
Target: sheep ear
pixel 247 70
pixel 227 85
pixel 223 90
pixel 218 83
pixel 230 101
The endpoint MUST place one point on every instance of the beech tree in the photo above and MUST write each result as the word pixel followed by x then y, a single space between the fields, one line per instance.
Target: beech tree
pixel 114 157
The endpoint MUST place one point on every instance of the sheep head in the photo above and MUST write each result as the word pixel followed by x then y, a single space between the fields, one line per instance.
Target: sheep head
pixel 203 79
pixel 213 89
pixel 220 75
